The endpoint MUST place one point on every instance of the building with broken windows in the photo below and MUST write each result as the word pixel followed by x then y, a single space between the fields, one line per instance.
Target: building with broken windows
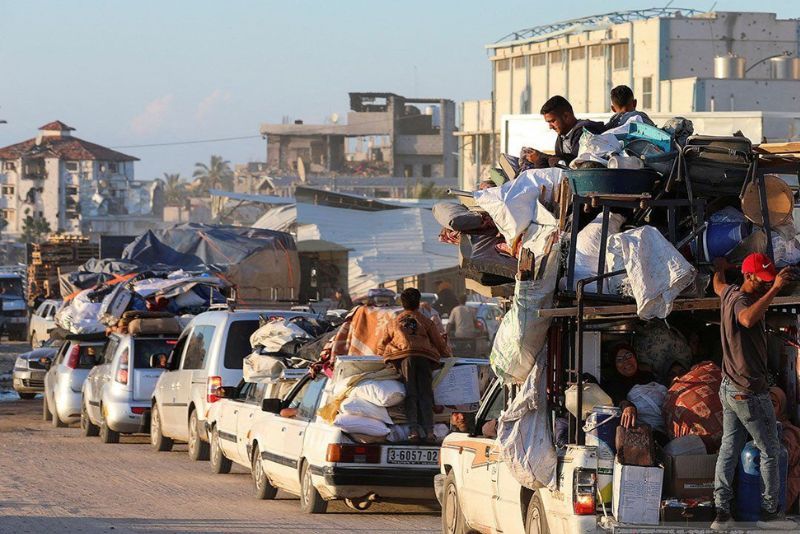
pixel 384 135
pixel 79 187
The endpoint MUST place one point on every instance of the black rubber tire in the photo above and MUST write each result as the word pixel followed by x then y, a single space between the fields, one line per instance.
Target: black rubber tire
pixel 198 449
pixel 158 440
pixel 106 434
pixel 46 415
pixel 453 520
pixel 56 420
pixel 88 429
pixel 220 465
pixel 26 396
pixel 262 487
pixel 311 502
pixel 535 519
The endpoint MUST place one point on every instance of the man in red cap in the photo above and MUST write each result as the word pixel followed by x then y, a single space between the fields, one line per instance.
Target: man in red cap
pixel 746 404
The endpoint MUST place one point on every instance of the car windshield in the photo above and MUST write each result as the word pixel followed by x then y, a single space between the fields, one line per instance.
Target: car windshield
pixel 11 287
pixel 143 349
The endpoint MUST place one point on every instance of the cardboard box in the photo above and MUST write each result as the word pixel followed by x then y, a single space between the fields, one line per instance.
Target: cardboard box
pixel 637 493
pixel 690 476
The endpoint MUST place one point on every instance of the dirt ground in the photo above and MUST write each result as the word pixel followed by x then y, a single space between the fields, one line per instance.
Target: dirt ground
pixel 54 480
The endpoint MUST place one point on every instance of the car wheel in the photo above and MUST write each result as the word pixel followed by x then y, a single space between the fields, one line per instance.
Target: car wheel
pixel 219 463
pixel 26 396
pixel 263 487
pixel 311 502
pixel 535 520
pixel 106 434
pixel 453 521
pixel 88 429
pixel 198 449
pixel 46 415
pixel 158 440
pixel 56 420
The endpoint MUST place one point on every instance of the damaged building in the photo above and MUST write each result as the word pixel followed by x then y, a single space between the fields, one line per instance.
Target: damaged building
pixel 385 135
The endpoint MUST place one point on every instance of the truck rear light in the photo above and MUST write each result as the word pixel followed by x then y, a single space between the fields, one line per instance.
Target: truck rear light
pixel 74 357
pixel 584 489
pixel 212 384
pixel 138 410
pixel 353 454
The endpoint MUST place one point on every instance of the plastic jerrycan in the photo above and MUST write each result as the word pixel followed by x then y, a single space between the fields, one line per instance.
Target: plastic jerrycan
pixel 748 482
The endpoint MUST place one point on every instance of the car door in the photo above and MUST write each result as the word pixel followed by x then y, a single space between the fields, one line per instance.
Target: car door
pixel 51 378
pixel 244 420
pixel 294 430
pixel 98 377
pixel 192 371
pixel 228 413
pixel 165 387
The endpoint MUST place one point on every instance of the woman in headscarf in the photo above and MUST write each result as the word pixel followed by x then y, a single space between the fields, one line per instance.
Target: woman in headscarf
pixel 791 440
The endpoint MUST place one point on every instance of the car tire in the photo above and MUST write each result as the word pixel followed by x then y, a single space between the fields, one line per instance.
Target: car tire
pixel 264 490
pixel 453 520
pixel 198 449
pixel 56 420
pixel 46 415
pixel 88 429
pixel 106 434
pixel 158 440
pixel 311 502
pixel 26 396
pixel 535 519
pixel 220 465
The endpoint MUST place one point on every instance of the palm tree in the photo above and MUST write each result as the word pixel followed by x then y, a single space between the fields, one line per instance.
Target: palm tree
pixel 216 175
pixel 174 189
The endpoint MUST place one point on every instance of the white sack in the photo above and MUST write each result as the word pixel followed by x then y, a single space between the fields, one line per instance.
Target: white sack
pixel 361 425
pixel 597 147
pixel 537 235
pixel 257 366
pixel 522 333
pixel 648 399
pixel 384 393
pixel 275 334
pixel 524 434
pixel 364 408
pixel 513 205
pixel 399 433
pixel 81 316
pixel 656 271
pixel 587 249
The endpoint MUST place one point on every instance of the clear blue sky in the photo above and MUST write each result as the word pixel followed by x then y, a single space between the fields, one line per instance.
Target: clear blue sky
pixel 149 71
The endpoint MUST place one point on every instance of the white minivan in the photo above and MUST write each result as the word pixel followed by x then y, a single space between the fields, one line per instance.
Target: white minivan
pixel 208 355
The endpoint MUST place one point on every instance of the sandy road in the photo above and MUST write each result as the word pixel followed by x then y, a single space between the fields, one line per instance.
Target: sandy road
pixel 54 480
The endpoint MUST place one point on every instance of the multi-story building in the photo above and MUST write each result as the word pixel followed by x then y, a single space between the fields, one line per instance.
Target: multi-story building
pixel 77 186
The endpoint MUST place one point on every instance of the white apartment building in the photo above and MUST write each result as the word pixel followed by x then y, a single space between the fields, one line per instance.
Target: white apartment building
pixel 63 179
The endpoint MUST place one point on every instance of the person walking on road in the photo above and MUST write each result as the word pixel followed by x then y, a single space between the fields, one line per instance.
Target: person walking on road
pixel 461 324
pixel 746 404
pixel 414 346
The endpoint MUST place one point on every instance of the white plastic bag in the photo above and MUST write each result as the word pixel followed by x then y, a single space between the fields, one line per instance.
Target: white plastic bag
pixel 648 399
pixel 257 366
pixel 275 334
pixel 356 424
pixel 364 408
pixel 587 248
pixel 384 393
pixel 597 147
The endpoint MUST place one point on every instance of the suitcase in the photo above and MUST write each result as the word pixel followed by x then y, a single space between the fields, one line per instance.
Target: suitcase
pixel 716 166
pixel 635 446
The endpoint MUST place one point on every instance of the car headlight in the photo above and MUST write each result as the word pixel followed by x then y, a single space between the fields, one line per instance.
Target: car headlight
pixel 21 363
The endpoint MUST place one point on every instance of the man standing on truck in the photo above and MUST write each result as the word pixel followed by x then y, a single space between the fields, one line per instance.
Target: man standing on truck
pixel 413 345
pixel 744 393
pixel 560 117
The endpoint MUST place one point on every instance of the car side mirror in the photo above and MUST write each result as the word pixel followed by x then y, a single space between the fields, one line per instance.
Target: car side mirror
pixel 271 405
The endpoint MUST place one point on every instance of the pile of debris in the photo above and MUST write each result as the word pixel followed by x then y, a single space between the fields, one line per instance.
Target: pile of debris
pixel 57 255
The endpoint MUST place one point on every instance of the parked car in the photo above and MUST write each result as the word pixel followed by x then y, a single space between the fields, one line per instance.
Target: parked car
pixel 13 307
pixel 297 451
pixel 42 321
pixel 30 368
pixel 117 392
pixel 64 380
pixel 488 316
pixel 208 354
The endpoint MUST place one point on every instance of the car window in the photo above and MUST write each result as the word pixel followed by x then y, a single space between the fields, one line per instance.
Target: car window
pixel 143 349
pixel 52 311
pixel 88 356
pixel 63 350
pixel 198 346
pixel 245 391
pixel 111 348
pixel 308 405
pixel 40 309
pixel 255 393
pixel 237 345
pixel 496 406
pixel 298 397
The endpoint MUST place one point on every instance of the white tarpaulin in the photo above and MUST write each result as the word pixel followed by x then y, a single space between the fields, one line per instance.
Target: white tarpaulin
pixel 81 316
pixel 275 334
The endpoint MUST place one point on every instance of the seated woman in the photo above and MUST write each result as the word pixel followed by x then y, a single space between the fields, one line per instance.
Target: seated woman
pixel 628 374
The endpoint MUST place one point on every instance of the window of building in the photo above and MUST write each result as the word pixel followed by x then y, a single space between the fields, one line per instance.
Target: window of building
pixel 620 56
pixel 503 64
pixel 647 92
pixel 555 56
pixel 576 54
pixel 7 214
pixel 519 62
pixel 8 190
pixel 9 166
pixel 426 170
pixel 596 51
pixel 71 166
pixel 112 166
pixel 538 60
pixel 408 171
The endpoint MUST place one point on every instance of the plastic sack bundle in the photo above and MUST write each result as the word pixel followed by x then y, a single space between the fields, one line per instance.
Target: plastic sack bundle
pixel 384 393
pixel 356 424
pixel 364 408
pixel 656 271
pixel 257 367
pixel 522 333
pixel 659 347
pixel 587 248
pixel 275 334
pixel 524 434
pixel 597 147
pixel 81 315
pixel 648 399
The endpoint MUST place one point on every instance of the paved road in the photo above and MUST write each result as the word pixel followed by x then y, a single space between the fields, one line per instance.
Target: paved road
pixel 54 480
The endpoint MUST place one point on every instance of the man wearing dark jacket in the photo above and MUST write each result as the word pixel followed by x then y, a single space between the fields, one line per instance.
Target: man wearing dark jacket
pixel 558 114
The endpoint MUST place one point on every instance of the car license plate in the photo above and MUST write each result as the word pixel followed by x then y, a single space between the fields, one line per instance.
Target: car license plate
pixel 412 456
